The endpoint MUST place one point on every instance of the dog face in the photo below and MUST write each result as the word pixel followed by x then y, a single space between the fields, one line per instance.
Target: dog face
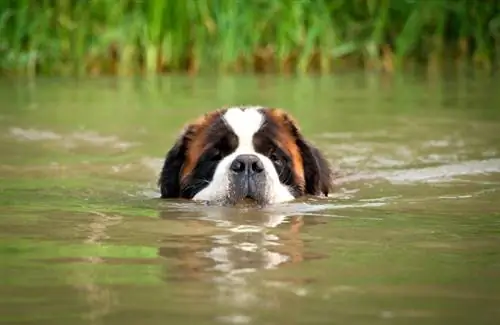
pixel 239 153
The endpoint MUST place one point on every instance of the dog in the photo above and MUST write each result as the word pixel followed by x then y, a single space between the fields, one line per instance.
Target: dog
pixel 242 153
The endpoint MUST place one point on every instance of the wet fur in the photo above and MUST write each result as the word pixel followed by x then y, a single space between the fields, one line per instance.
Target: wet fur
pixel 186 170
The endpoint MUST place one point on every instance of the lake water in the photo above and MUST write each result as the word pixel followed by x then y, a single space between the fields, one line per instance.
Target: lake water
pixel 410 236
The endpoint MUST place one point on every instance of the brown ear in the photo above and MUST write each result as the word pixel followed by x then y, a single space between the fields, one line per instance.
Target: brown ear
pixel 180 159
pixel 317 170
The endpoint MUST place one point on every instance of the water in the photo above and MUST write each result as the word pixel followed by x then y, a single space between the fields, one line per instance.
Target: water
pixel 411 235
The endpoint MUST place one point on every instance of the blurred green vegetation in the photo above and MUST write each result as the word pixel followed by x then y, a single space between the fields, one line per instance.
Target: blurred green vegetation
pixel 158 36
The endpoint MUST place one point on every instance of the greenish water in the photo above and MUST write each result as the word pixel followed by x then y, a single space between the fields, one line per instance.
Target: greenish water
pixel 411 235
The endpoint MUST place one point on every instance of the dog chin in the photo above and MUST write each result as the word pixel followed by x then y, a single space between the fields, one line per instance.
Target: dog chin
pixel 243 202
pixel 237 197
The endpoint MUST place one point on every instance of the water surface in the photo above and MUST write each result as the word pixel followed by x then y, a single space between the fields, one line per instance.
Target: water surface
pixel 411 234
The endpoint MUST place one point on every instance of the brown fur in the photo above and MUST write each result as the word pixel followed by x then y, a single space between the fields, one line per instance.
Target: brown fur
pixel 287 141
pixel 309 171
pixel 197 134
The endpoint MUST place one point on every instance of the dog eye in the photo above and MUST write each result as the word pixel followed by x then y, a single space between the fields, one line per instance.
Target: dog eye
pixel 274 157
pixel 215 154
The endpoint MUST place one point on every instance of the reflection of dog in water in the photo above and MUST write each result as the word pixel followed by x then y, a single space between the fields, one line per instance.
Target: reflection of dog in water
pixel 244 153
pixel 241 242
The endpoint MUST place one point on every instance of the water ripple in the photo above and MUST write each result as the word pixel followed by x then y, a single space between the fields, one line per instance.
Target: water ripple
pixel 440 173
pixel 70 140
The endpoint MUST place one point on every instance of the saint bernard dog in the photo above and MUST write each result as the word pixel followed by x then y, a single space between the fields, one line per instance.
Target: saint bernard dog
pixel 244 153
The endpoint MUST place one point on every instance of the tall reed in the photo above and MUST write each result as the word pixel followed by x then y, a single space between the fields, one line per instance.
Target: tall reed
pixel 158 36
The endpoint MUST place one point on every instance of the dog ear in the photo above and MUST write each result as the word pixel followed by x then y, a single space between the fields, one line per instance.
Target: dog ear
pixel 169 181
pixel 317 171
pixel 178 158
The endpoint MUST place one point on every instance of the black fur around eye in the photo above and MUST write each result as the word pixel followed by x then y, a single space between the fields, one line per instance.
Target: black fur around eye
pixel 215 154
pixel 275 158
pixel 223 147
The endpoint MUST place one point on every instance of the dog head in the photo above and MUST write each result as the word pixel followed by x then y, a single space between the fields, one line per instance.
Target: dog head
pixel 239 153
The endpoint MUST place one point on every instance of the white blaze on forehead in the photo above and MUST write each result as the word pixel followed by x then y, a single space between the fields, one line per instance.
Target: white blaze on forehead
pixel 245 123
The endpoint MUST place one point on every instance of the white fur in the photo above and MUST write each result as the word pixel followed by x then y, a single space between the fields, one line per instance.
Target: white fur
pixel 244 123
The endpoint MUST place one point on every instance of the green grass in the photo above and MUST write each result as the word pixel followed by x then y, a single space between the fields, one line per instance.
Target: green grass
pixel 158 36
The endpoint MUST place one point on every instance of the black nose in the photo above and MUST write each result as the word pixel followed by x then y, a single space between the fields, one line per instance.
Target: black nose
pixel 249 164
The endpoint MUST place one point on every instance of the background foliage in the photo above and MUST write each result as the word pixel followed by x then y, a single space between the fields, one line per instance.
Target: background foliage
pixel 158 36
